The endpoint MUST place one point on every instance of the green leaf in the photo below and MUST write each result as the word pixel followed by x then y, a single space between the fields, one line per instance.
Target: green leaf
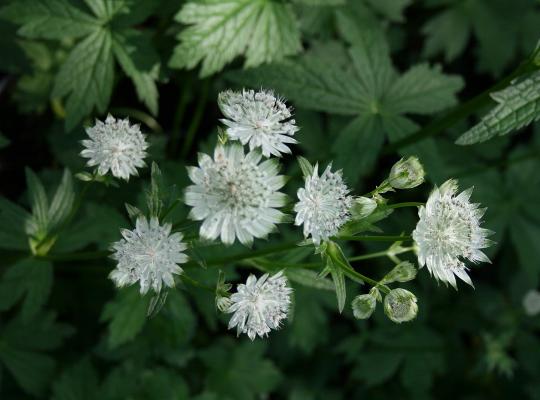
pixel 13 220
pixel 126 315
pixel 153 194
pixel 62 203
pixel 423 90
pixel 221 30
pixel 229 363
pixel 391 9
pixel 21 344
pixel 517 106
pixel 79 382
pixel 305 166
pixel 29 278
pixel 38 202
pixel 140 62
pixel 49 19
pixel 87 76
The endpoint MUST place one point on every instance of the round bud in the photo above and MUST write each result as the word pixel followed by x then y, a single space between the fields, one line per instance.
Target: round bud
pixel 531 302
pixel 364 304
pixel 400 305
pixel 406 174
pixel 363 207
pixel 403 272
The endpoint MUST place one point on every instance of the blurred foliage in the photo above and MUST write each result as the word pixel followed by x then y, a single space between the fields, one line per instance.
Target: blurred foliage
pixel 371 80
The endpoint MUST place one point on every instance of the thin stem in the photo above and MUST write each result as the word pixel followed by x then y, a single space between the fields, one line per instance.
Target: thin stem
pixel 251 254
pixel 88 255
pixel 194 283
pixel 140 116
pixel 171 207
pixel 179 116
pixel 460 112
pixel 196 121
pixel 378 238
pixel 406 204
pixel 369 256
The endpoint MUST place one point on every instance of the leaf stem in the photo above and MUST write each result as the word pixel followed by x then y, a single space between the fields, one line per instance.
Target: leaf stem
pixel 376 238
pixel 406 204
pixel 197 117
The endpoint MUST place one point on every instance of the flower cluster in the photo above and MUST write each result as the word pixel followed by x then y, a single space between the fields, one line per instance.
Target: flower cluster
pixel 149 254
pixel 260 305
pixel 115 145
pixel 236 196
pixel 324 204
pixel 448 232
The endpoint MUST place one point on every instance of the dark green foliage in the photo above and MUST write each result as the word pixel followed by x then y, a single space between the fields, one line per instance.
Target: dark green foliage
pixel 370 81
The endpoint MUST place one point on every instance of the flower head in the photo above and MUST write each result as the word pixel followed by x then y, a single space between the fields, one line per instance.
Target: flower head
pixel 234 195
pixel 258 118
pixel 259 305
pixel 531 302
pixel 148 254
pixel 449 232
pixel 115 145
pixel 400 305
pixel 324 204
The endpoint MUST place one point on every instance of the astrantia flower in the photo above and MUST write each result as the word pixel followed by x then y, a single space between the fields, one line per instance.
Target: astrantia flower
pixel 324 204
pixel 258 306
pixel 258 118
pixel 234 195
pixel 148 254
pixel 449 232
pixel 115 145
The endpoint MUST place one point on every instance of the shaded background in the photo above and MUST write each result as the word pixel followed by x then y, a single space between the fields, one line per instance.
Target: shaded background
pixel 65 333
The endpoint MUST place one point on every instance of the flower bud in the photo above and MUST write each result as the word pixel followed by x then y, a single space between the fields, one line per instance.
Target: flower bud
pixel 364 304
pixel 403 272
pixel 363 207
pixel 531 302
pixel 400 305
pixel 223 303
pixel 406 174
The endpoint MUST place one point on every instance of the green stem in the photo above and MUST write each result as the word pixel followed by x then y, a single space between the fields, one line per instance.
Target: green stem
pixel 171 207
pixel 196 121
pixel 460 112
pixel 378 238
pixel 197 284
pixel 369 256
pixel 179 116
pixel 406 204
pixel 88 255
pixel 250 254
pixel 140 116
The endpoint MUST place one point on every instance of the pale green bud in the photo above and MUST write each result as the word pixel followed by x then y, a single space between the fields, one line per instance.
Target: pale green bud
pixel 363 207
pixel 403 272
pixel 223 303
pixel 406 174
pixel 400 305
pixel 364 304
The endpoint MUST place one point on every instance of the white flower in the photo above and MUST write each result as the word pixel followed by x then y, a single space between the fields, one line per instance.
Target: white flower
pixel 400 305
pixel 115 145
pixel 259 306
pixel 258 118
pixel 148 254
pixel 324 204
pixel 449 232
pixel 531 302
pixel 235 195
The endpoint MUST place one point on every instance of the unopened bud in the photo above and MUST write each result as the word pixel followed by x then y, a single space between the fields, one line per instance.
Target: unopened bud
pixel 400 305
pixel 531 302
pixel 403 272
pixel 363 207
pixel 223 303
pixel 406 174
pixel 364 304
